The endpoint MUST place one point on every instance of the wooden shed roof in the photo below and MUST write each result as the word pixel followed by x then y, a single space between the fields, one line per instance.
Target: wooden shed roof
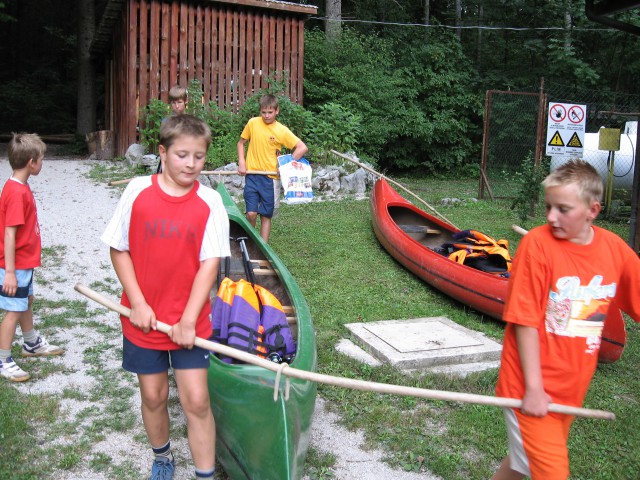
pixel 113 10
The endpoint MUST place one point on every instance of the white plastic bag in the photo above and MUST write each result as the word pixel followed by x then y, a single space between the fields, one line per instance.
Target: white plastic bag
pixel 295 177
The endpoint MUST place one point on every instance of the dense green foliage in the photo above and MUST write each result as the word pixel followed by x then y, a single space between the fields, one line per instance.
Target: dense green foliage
pixel 37 78
pixel 360 282
pixel 417 101
pixel 407 93
pixel 529 194
pixel 321 131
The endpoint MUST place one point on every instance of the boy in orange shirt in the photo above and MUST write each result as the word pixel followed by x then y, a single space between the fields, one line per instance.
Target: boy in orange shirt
pixel 565 277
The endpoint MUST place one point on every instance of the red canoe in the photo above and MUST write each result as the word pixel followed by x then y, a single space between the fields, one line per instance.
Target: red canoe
pixel 403 230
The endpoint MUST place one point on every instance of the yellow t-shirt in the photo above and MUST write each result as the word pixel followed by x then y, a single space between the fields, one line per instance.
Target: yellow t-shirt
pixel 265 142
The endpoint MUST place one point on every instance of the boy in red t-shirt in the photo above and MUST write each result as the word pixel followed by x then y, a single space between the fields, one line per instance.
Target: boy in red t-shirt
pixel 565 277
pixel 20 253
pixel 166 237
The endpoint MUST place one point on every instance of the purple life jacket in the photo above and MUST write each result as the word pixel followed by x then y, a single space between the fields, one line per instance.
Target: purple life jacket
pixel 277 334
pixel 251 319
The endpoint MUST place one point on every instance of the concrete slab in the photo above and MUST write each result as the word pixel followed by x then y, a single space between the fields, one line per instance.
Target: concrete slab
pixel 350 349
pixel 424 343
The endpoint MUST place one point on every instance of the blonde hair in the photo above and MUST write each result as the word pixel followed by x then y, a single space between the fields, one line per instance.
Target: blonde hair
pixel 268 101
pixel 183 125
pixel 583 174
pixel 24 147
pixel 177 93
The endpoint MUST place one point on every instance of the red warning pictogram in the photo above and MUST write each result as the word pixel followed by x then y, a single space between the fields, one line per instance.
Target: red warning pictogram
pixel 576 114
pixel 557 113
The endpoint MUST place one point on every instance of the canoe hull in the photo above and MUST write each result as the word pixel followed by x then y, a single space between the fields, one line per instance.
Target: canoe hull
pixel 481 291
pixel 257 437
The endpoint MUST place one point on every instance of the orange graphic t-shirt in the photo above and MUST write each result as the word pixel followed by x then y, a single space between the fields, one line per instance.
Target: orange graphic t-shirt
pixel 565 291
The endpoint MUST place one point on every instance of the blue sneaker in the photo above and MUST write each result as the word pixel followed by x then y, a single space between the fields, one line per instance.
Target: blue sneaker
pixel 162 469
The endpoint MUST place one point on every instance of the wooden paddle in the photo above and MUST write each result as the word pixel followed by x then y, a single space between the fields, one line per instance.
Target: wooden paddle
pixel 362 165
pixel 419 229
pixel 520 230
pixel 205 172
pixel 284 369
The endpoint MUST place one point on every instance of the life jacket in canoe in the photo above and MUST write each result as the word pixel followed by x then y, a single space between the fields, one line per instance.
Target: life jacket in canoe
pixel 478 250
pixel 251 319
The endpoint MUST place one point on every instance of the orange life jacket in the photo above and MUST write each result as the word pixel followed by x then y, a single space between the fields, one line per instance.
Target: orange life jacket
pixel 478 250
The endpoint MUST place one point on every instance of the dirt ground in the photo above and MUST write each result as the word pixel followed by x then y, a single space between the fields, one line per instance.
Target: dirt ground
pixel 73 211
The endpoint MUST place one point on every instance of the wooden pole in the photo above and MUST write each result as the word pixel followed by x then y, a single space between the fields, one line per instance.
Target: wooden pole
pixel 362 385
pixel 362 165
pixel 206 172
pixel 519 229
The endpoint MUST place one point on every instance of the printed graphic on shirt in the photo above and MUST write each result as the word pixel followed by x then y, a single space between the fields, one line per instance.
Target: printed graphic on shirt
pixel 576 310
pixel 169 229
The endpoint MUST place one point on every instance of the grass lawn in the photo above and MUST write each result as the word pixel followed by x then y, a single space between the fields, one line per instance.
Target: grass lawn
pixel 346 276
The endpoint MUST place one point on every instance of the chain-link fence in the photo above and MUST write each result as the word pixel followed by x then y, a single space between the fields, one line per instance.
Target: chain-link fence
pixel 515 129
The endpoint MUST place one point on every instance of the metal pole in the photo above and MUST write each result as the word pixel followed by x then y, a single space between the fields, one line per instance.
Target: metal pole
pixel 634 234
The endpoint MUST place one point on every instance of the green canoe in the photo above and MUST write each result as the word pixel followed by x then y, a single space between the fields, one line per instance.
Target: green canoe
pixel 257 437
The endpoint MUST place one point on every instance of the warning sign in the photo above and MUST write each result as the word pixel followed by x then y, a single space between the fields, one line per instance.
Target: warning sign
pixel 574 141
pixel 556 140
pixel 566 120
pixel 576 114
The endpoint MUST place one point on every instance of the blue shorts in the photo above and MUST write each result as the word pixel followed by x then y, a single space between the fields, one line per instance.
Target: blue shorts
pixel 261 194
pixel 145 361
pixel 20 301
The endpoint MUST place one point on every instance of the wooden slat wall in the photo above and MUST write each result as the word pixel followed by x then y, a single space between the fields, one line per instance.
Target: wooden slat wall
pixel 230 49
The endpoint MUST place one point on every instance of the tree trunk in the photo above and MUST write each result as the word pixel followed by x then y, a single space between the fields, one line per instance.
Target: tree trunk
pixel 479 40
pixel 333 26
pixel 427 16
pixel 568 25
pixel 86 109
pixel 458 18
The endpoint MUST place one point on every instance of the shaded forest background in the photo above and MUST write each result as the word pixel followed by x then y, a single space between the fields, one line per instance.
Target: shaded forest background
pixel 417 89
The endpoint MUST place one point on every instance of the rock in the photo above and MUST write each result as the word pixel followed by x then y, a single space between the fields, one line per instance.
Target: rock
pixel 134 154
pixel 150 160
pixel 355 182
pixel 328 181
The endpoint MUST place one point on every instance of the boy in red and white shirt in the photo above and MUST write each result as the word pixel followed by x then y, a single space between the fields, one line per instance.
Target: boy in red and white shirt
pixel 166 237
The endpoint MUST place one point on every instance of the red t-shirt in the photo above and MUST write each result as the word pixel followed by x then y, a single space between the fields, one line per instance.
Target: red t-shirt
pixel 167 238
pixel 565 290
pixel 18 209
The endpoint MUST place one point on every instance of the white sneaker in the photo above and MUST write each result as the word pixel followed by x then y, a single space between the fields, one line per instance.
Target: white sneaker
pixel 40 348
pixel 13 372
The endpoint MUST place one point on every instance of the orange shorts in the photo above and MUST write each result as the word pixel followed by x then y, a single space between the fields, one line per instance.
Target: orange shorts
pixel 538 446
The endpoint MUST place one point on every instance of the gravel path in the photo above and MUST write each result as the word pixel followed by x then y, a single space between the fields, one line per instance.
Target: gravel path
pixel 73 211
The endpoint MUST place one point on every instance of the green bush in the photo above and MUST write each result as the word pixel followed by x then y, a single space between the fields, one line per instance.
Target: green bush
pixel 333 126
pixel 416 98
pixel 152 117
pixel 530 192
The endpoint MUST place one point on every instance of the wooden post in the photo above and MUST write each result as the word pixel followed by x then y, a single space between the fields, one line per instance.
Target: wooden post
pixel 104 144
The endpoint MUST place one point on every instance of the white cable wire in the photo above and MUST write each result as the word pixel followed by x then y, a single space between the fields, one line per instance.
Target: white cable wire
pixel 462 27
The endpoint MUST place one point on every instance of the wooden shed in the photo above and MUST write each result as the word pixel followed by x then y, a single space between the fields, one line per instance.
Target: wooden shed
pixel 229 46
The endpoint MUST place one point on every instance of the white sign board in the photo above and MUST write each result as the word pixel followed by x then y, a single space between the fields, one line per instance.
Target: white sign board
pixel 565 129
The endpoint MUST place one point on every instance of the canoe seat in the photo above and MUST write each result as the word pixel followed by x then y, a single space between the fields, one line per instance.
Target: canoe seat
pixel 260 267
